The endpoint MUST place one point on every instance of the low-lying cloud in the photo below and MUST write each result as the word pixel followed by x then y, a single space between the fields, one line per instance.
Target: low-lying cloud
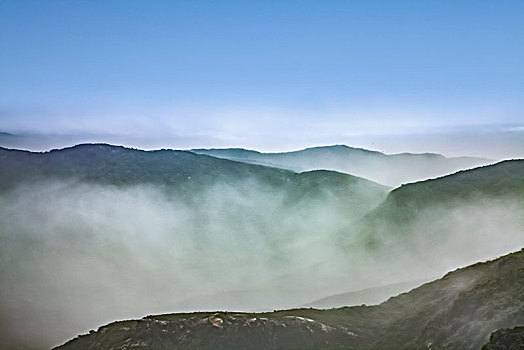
pixel 77 255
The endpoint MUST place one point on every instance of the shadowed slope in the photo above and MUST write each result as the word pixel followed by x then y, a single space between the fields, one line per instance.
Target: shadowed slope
pixel 452 220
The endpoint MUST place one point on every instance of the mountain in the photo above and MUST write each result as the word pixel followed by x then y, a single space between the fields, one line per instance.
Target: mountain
pixel 181 172
pixel 101 163
pixel 368 296
pixel 458 311
pixel 97 232
pixel 118 165
pixel 445 222
pixel 391 170
pixel 4 134
pixel 503 180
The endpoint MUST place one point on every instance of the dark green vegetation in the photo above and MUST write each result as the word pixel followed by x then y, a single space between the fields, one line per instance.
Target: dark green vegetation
pixel 489 184
pixel 506 339
pixel 391 170
pixel 180 172
pixel 101 163
pixel 433 220
pixel 458 311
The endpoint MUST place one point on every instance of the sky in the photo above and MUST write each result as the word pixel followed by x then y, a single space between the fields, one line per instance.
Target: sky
pixel 394 76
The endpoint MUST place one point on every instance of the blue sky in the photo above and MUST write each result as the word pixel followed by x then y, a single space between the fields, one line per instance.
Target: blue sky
pixel 270 75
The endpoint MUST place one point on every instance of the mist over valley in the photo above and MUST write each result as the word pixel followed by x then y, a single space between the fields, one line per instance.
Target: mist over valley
pixel 96 233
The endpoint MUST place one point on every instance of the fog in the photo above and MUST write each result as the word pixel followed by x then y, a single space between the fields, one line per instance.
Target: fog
pixel 441 237
pixel 75 255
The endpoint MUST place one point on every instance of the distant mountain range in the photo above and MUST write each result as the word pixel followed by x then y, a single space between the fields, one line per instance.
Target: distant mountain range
pixel 183 173
pixel 459 311
pixel 391 170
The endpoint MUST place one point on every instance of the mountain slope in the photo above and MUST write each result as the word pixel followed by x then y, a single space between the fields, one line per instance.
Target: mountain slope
pixel 368 296
pixel 501 180
pixel 445 222
pixel 458 311
pixel 391 170
pixel 97 232
pixel 115 165
pixel 123 166
pixel 182 173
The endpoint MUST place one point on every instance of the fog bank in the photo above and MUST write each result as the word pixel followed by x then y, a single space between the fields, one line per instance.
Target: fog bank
pixel 75 255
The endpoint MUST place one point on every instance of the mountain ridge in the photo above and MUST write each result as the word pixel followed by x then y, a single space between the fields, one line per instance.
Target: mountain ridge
pixel 94 150
pixel 458 311
pixel 340 147
pixel 388 169
pixel 284 232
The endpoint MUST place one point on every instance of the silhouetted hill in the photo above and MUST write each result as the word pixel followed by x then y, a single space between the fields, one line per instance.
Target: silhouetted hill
pixel 503 178
pixel 483 191
pixel 122 166
pixel 180 171
pixel 391 170
pixel 458 311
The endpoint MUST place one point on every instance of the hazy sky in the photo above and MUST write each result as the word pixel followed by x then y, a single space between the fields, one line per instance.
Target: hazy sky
pixel 440 76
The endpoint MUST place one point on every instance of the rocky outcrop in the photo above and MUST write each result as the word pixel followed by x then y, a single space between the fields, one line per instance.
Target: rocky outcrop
pixel 458 311
pixel 214 331
pixel 506 339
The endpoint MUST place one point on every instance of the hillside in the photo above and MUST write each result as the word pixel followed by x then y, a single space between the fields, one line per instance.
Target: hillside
pixel 90 233
pixel 391 170
pixel 499 181
pixel 445 222
pixel 182 170
pixel 95 233
pixel 458 311
pixel 183 174
pixel 368 296
pixel 117 165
